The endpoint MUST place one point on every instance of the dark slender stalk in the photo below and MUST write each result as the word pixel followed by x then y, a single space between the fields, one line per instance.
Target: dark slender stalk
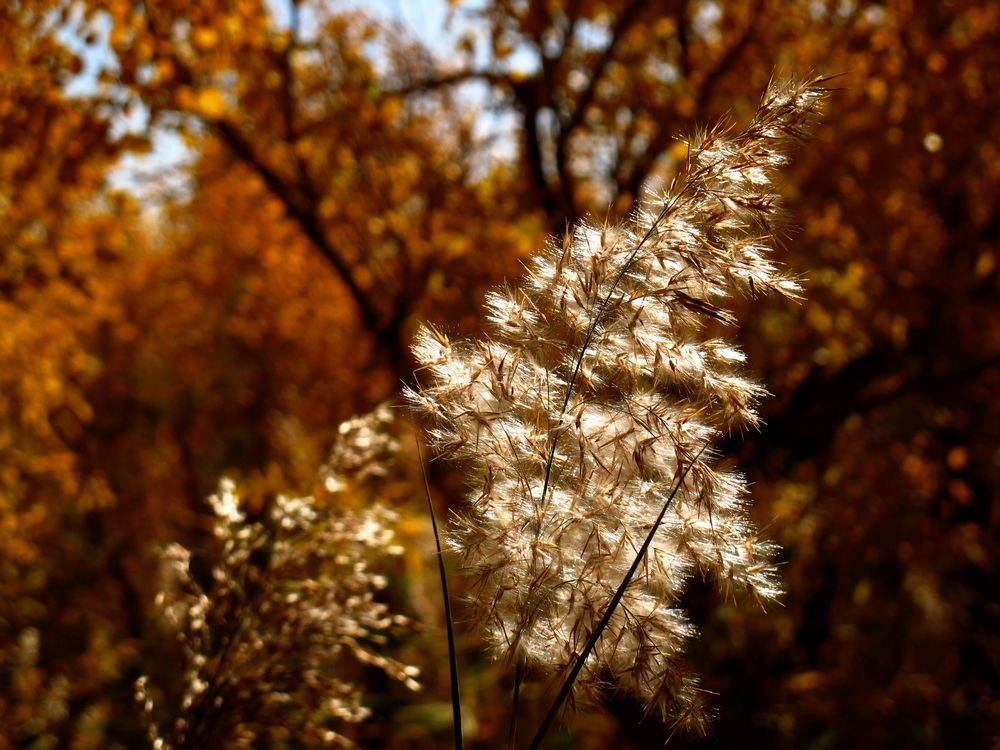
pixel 456 699
pixel 512 730
pixel 567 686
pixel 586 345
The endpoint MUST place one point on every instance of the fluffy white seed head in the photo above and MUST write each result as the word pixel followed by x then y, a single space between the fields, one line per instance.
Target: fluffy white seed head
pixel 597 387
pixel 264 640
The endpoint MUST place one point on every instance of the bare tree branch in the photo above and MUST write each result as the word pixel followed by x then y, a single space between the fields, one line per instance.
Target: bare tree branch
pixel 300 209
pixel 566 128
pixel 449 79
pixel 663 137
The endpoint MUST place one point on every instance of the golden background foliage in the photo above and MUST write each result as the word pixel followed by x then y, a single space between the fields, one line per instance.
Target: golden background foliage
pixel 339 187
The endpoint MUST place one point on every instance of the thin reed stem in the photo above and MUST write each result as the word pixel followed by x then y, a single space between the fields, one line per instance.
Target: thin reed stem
pixel 567 686
pixel 456 699
pixel 585 346
pixel 515 707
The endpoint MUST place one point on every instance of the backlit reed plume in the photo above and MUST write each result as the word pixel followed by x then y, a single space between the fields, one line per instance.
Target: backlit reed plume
pixel 264 641
pixel 596 389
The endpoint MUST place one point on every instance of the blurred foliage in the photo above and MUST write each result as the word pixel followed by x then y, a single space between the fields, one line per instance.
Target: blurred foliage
pixel 343 181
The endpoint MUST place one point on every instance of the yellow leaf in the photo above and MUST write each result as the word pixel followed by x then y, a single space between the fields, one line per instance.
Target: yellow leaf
pixel 211 103
pixel 205 38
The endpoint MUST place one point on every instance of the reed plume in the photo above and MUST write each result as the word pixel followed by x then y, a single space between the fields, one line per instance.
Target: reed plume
pixel 596 392
pixel 292 599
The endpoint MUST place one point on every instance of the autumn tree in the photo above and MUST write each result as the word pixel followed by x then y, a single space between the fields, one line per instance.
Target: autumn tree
pixel 63 239
pixel 178 348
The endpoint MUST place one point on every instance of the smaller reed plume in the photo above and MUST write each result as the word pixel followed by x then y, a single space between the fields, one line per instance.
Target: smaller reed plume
pixel 274 639
pixel 597 393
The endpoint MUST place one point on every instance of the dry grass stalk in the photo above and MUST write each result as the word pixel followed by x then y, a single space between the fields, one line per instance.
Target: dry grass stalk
pixel 597 386
pixel 264 642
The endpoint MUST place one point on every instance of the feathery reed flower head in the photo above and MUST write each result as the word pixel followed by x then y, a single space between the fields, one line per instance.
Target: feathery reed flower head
pixel 596 392
pixel 289 597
